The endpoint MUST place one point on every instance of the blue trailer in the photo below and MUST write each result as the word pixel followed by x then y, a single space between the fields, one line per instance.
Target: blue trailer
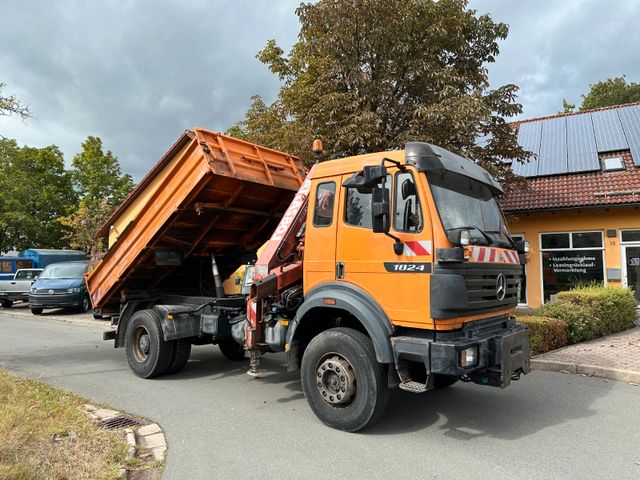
pixel 41 257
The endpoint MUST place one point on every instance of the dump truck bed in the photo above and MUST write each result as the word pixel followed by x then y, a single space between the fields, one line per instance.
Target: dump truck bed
pixel 213 195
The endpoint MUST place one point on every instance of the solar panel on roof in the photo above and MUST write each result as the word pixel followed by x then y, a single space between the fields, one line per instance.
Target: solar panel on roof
pixel 608 131
pixel 553 147
pixel 529 136
pixel 630 119
pixel 582 151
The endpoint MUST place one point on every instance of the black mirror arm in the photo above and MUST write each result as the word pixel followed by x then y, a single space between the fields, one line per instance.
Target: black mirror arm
pixel 398 246
pixel 400 166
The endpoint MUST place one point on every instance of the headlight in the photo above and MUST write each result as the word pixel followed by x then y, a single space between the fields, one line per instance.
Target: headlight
pixel 465 237
pixel 469 357
pixel 74 290
pixel 33 289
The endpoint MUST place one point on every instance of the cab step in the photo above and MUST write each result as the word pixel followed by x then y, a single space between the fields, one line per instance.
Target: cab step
pixel 413 387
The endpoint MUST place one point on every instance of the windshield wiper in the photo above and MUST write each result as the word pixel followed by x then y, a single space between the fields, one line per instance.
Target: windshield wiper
pixel 475 227
pixel 511 241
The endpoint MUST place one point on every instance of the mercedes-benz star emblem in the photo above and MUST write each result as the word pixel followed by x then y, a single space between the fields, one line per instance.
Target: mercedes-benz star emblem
pixel 501 287
pixel 51 292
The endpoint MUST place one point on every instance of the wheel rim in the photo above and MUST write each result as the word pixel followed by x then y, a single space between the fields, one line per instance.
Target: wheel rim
pixel 141 344
pixel 85 304
pixel 336 380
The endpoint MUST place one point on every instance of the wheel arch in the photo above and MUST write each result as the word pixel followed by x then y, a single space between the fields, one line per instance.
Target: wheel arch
pixel 331 301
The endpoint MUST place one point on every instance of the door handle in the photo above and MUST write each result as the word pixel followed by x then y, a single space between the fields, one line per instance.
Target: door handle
pixel 339 269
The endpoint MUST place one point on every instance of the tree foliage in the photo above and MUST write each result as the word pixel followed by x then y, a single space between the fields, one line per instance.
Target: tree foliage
pixel 610 92
pixel 567 107
pixel 35 191
pixel 10 105
pixel 101 186
pixel 370 75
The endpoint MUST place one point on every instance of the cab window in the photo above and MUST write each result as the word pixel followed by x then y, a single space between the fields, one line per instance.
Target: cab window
pixel 357 210
pixel 407 215
pixel 325 196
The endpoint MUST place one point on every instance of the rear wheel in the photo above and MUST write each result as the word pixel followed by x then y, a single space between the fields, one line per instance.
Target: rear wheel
pixel 181 353
pixel 7 303
pixel 231 349
pixel 36 311
pixel 344 384
pixel 148 354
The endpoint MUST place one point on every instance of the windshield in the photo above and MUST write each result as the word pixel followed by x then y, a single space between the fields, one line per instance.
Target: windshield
pixel 64 270
pixel 465 203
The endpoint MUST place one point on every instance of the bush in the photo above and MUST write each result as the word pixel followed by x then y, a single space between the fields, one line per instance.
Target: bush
pixel 593 311
pixel 614 308
pixel 545 334
pixel 580 322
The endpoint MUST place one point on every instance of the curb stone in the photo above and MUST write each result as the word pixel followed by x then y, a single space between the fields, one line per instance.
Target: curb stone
pixel 147 439
pixel 629 376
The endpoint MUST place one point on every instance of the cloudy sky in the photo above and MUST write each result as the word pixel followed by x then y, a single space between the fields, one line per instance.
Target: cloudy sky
pixel 138 72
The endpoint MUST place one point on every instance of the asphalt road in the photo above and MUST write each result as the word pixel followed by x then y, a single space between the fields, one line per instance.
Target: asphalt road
pixel 222 424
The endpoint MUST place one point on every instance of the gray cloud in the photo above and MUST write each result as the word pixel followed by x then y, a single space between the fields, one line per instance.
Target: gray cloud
pixel 137 73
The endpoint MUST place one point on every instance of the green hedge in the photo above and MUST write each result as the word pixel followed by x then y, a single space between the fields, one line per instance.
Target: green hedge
pixel 592 311
pixel 545 333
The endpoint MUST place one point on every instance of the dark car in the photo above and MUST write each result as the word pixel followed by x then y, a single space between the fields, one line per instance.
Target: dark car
pixel 60 285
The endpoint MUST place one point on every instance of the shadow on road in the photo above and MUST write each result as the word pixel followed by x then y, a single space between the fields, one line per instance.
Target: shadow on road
pixel 466 412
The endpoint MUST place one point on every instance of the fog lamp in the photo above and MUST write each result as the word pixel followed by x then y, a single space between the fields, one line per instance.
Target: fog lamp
pixel 469 357
pixel 465 237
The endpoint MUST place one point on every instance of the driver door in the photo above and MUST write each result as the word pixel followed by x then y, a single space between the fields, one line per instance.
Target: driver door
pixel 399 284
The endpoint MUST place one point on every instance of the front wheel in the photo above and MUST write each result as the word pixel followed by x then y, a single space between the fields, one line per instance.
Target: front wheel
pixel 7 303
pixel 85 305
pixel 36 310
pixel 148 354
pixel 344 384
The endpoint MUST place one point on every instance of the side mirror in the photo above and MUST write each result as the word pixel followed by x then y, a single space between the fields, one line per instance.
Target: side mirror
pixel 380 207
pixel 367 179
pixel 522 246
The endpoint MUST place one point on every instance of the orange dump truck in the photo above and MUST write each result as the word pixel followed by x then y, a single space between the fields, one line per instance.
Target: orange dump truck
pixel 386 270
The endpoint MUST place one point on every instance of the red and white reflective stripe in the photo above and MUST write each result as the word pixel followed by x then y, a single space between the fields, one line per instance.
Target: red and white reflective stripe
pixel 417 248
pixel 494 255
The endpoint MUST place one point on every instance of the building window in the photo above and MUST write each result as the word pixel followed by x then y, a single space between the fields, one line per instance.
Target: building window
pixel 631 235
pixel 323 213
pixel 612 163
pixel 569 260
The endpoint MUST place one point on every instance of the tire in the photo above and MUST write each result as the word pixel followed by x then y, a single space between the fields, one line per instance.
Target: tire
pixel 97 316
pixel 7 303
pixel 86 304
pixel 231 349
pixel 151 356
pixel 443 381
pixel 181 353
pixel 344 350
pixel 36 311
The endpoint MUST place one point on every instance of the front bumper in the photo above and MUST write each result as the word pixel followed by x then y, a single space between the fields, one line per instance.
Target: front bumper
pixel 502 352
pixel 14 296
pixel 66 300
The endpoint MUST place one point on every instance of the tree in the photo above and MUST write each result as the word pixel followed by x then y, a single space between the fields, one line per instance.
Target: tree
pixel 9 105
pixel 363 84
pixel 97 175
pixel 567 107
pixel 36 190
pixel 610 92
pixel 101 186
